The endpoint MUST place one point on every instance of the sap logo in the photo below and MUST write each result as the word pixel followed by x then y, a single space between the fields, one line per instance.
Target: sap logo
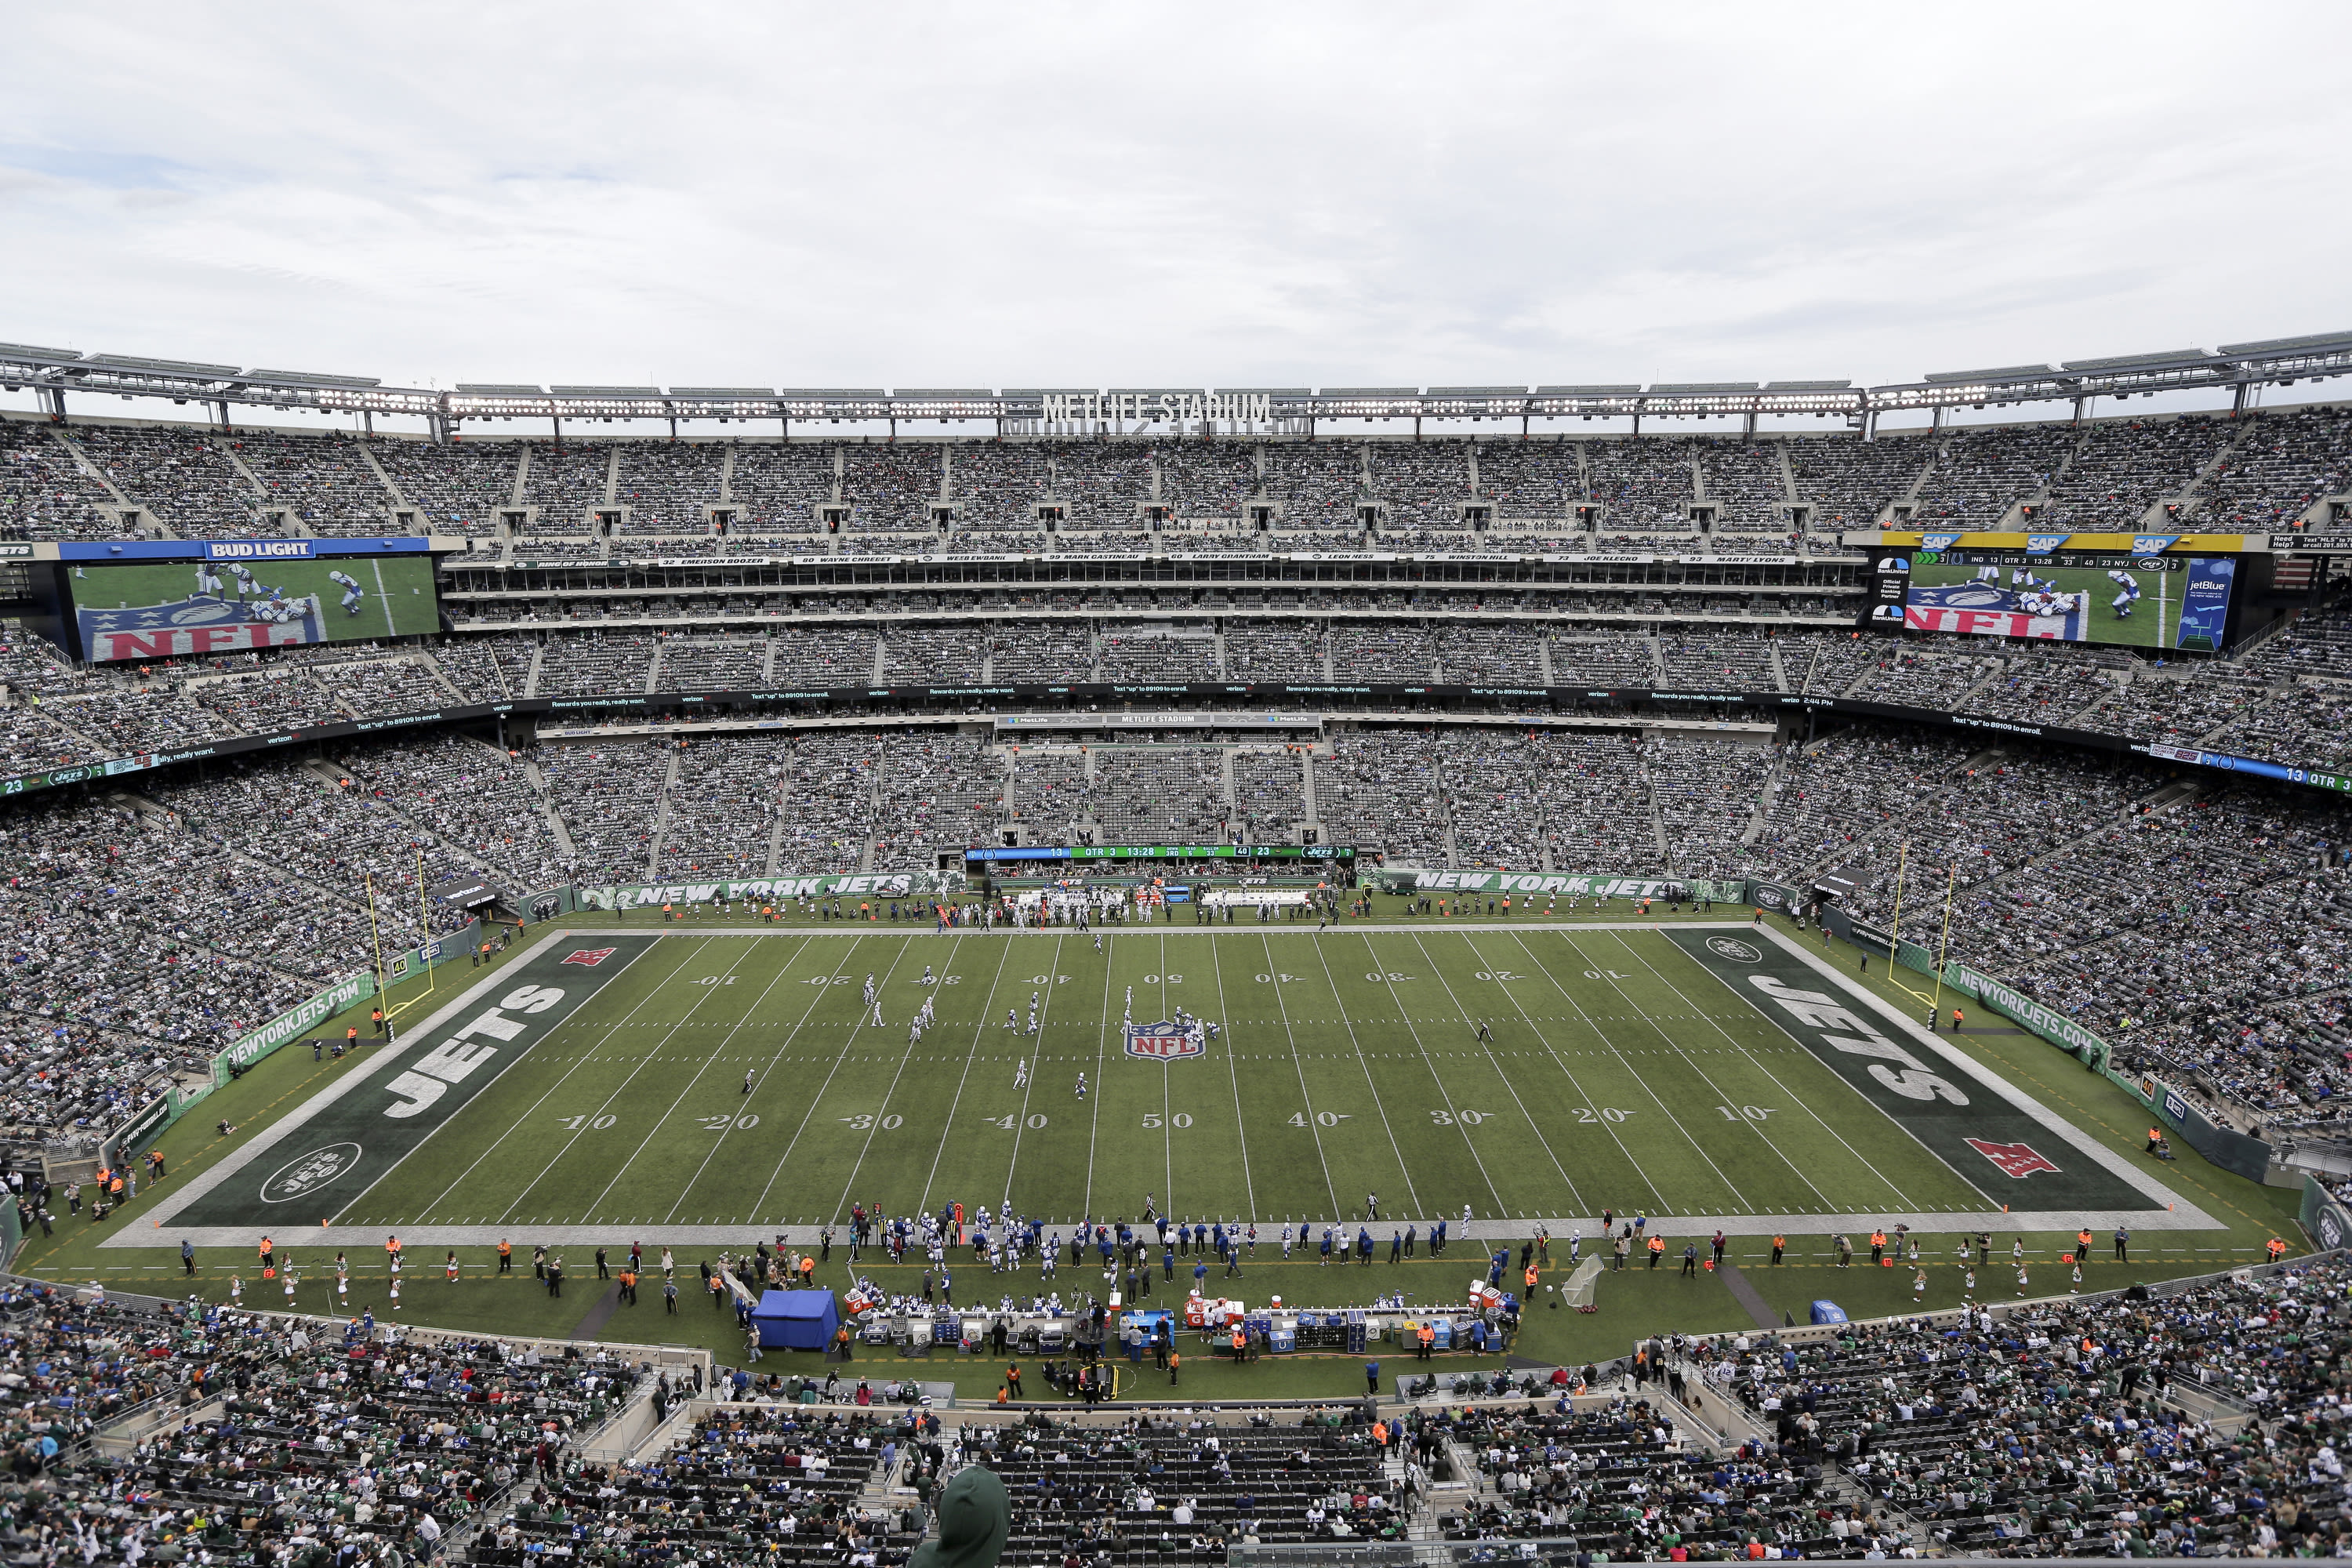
pixel 2153 543
pixel 309 1174
pixel 1735 950
pixel 453 1060
pixel 591 956
pixel 1938 542
pixel 2017 1160
pixel 2044 544
pixel 1908 1077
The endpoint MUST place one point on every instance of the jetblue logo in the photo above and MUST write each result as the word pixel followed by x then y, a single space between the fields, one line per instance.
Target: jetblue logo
pixel 257 550
pixel 2044 544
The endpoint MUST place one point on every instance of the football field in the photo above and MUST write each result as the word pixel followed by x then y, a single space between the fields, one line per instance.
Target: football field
pixel 728 1084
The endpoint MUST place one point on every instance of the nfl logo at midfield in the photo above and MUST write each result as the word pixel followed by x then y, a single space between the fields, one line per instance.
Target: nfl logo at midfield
pixel 1163 1041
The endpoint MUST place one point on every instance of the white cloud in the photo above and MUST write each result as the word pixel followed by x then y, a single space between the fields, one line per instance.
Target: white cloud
pixel 960 194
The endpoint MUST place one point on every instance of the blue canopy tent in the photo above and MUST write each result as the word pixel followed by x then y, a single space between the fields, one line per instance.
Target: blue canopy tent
pixel 796 1319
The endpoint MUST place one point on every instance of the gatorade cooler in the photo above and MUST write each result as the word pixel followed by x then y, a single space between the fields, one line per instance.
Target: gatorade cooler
pixel 855 1302
pixel 1196 1312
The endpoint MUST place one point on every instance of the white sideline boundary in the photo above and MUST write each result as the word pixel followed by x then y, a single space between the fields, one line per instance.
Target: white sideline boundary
pixel 2178 1215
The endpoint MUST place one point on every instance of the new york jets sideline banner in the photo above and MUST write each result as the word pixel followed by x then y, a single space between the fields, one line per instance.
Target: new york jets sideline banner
pixel 861 885
pixel 1586 885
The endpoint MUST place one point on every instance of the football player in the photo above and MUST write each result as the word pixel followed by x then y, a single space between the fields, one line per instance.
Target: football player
pixel 2126 592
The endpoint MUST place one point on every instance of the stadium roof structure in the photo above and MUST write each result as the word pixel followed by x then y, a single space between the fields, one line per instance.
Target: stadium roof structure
pixel 2236 367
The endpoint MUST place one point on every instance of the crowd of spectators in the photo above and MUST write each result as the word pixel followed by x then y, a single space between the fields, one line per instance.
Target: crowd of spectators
pixel 46 490
pixel 2071 1428
pixel 2123 467
pixel 240 1438
pixel 2105 474
pixel 324 484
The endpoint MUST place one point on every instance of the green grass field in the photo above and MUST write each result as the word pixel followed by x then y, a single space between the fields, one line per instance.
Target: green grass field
pixel 692 1085
pixel 1652 1030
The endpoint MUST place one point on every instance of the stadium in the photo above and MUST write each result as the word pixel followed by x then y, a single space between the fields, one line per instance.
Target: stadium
pixel 1502 935
pixel 1065 788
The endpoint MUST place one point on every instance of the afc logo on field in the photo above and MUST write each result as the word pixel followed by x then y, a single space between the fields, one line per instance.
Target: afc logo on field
pixel 1163 1042
pixel 591 956
pixel 2017 1160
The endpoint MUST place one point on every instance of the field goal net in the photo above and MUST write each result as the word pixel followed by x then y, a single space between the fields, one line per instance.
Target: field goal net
pixel 1578 1291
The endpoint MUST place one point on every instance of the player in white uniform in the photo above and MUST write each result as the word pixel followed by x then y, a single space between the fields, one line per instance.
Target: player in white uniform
pixel 209 582
pixel 1020 1073
pixel 246 587
pixel 1988 575
pixel 2126 592
pixel 353 594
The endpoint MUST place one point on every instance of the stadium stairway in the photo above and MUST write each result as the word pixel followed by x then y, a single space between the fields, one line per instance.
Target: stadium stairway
pixel 290 520
pixel 661 815
pixel 104 480
pixel 556 823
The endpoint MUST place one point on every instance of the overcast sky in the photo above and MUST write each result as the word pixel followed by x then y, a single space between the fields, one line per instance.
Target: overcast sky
pixel 1189 195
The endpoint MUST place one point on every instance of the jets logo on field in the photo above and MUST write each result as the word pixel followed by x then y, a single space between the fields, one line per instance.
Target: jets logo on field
pixel 309 1174
pixel 592 956
pixel 1163 1041
pixel 2014 1158
pixel 1732 947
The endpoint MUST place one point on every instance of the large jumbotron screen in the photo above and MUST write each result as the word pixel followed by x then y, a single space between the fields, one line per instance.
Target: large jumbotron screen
pixel 155 609
pixel 2145 601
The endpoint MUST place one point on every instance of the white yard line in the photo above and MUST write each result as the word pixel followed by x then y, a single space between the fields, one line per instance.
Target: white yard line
pixel 1314 1128
pixel 839 1057
pixel 947 1129
pixel 1249 1187
pixel 783 969
pixel 1821 1120
pixel 524 1119
pixel 1635 1074
pixel 1567 1072
pixel 1020 1120
pixel 1701 1074
pixel 523 1189
pixel 1429 1067
pixel 1508 1088
pixel 1102 1042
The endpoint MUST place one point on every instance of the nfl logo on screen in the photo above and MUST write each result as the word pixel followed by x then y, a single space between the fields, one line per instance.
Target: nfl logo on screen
pixel 1162 1042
